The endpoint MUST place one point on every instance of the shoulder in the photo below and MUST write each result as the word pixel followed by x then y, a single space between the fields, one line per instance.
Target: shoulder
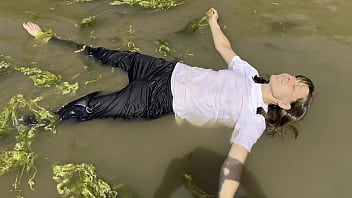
pixel 237 63
pixel 248 130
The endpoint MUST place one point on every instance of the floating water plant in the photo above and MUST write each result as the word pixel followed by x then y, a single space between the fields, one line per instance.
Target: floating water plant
pixel 20 159
pixel 13 118
pixel 4 64
pixel 44 36
pixel 47 79
pixel 4 67
pixel 67 88
pixel 12 112
pixel 81 181
pixel 163 47
pixel 131 46
pixel 88 22
pixel 128 40
pixel 150 4
pixel 94 81
pixel 69 2
pixel 195 190
pixel 39 77
pixel 21 162
pixel 197 25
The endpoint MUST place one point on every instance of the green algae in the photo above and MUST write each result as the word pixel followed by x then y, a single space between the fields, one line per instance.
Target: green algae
pixel 67 88
pixel 150 4
pixel 69 2
pixel 42 78
pixel 44 36
pixel 164 48
pixel 21 158
pixel 81 180
pixel 88 22
pixel 94 81
pixel 197 25
pixel 12 112
pixel 39 77
pixel 128 40
pixel 4 64
pixel 195 190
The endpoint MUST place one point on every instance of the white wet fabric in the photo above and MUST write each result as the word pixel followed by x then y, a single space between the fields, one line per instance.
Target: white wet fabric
pixel 229 97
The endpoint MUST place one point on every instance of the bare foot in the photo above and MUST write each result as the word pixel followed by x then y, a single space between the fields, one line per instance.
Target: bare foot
pixel 32 28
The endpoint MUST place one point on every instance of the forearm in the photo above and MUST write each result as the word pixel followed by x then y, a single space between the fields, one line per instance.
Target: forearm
pixel 230 175
pixel 221 42
pixel 231 170
pixel 219 38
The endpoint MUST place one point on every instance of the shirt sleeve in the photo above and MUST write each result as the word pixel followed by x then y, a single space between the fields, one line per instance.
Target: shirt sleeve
pixel 237 64
pixel 248 131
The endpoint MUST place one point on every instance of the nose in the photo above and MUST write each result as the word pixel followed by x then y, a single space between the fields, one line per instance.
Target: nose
pixel 290 78
pixel 293 78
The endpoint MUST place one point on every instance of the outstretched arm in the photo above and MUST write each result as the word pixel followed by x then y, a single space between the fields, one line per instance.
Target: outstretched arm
pixel 231 170
pixel 221 42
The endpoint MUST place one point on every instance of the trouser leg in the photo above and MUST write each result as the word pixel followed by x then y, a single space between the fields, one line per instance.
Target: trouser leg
pixel 114 58
pixel 148 94
pixel 129 103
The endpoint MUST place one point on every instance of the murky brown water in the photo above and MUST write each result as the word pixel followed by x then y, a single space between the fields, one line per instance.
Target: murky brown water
pixel 312 37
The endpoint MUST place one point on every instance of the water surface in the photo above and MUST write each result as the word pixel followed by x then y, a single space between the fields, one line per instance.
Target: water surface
pixel 310 37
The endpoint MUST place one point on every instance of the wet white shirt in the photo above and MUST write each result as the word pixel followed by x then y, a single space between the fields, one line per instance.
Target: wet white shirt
pixel 229 97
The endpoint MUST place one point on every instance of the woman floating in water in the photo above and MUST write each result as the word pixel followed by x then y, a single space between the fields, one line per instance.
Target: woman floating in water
pixel 236 96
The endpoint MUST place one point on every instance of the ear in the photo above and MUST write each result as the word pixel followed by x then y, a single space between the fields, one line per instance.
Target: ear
pixel 284 105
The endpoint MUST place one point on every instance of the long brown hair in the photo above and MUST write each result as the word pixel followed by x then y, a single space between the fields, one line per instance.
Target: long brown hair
pixel 276 117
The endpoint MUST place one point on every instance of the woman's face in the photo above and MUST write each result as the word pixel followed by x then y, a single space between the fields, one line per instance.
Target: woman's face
pixel 287 88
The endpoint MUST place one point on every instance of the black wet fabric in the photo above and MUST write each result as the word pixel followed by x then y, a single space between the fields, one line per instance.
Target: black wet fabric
pixel 148 94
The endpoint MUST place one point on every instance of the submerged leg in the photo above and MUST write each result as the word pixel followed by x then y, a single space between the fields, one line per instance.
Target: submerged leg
pixel 132 102
pixel 138 66
pixel 77 108
pixel 148 94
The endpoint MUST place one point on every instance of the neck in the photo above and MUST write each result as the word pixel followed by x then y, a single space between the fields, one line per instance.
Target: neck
pixel 267 96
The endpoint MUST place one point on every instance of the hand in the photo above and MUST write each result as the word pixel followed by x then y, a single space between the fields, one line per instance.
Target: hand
pixel 213 15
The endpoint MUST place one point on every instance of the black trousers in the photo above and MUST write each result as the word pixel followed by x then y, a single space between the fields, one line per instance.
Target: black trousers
pixel 148 94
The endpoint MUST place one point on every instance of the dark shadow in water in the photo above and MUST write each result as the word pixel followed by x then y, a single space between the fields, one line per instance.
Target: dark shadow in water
pixel 204 166
pixel 250 185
